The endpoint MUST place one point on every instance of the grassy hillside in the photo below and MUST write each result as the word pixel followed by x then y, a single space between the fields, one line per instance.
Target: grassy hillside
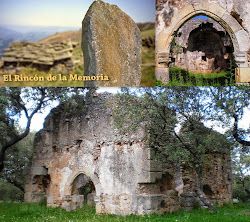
pixel 19 212
pixel 64 36
pixel 146 26
pixel 148 33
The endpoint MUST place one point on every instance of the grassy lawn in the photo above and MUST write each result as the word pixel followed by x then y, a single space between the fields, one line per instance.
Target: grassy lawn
pixel 36 213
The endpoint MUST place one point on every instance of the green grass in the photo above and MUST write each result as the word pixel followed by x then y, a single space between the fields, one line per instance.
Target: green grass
pixel 148 33
pixel 148 76
pixel 182 77
pixel 20 212
pixel 148 67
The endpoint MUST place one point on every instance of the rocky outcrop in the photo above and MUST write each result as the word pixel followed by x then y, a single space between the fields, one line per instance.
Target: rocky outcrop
pixel 111 44
pixel 43 56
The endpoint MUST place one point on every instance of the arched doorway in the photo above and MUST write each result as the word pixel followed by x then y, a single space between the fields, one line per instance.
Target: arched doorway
pixel 177 16
pixel 83 191
pixel 82 187
pixel 202 45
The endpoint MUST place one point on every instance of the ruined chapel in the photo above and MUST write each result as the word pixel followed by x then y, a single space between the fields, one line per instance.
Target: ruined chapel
pixel 217 42
pixel 81 158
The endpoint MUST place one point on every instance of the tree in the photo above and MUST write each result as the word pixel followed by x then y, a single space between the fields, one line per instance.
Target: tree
pixel 241 172
pixel 229 104
pixel 159 111
pixel 17 159
pixel 14 101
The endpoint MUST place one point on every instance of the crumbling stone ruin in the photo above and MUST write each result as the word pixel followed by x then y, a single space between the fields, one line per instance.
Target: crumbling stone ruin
pixel 173 17
pixel 204 47
pixel 111 44
pixel 80 157
pixel 43 56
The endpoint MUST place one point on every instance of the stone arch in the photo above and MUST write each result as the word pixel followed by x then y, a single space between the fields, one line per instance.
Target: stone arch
pixel 164 38
pixel 67 202
pixel 86 171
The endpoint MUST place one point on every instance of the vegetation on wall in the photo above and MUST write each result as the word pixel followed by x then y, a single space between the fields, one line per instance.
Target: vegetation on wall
pixel 158 110
pixel 161 110
pixel 183 77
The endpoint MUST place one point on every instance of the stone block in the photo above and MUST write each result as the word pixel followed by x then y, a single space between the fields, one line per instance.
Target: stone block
pixel 39 171
pixel 204 6
pixel 162 39
pixel 112 45
pixel 151 154
pixel 162 74
pixel 242 39
pixel 49 199
pixel 242 75
pixel 181 14
pixel 67 206
pixel 231 21
pixel 149 203
pixel 61 56
pixel 152 166
pixel 150 177
pixel 216 9
pixel 98 208
pixel 9 59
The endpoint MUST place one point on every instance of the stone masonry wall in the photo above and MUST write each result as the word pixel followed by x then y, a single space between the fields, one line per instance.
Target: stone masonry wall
pixel 80 157
pixel 232 15
pixel 203 46
pixel 43 56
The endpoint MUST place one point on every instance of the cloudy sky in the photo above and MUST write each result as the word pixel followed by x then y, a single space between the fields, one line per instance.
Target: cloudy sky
pixel 66 12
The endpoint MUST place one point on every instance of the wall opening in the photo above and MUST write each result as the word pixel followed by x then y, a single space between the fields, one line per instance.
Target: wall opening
pixel 42 185
pixel 83 191
pixel 202 45
pixel 207 190
pixel 166 183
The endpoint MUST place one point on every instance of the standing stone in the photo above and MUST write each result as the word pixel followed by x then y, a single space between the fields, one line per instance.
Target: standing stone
pixel 111 44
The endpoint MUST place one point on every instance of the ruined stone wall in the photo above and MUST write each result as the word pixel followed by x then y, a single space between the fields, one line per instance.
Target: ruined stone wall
pixel 202 46
pixel 232 15
pixel 217 179
pixel 84 141
pixel 79 149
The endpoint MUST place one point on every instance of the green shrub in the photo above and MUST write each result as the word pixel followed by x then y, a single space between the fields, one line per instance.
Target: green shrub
pixel 10 193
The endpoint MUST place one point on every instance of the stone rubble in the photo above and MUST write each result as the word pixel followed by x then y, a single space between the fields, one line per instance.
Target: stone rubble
pixel 43 56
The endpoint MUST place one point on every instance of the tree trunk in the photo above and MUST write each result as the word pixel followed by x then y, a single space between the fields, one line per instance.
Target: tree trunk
pixel 2 152
pixel 236 133
pixel 12 142
pixel 203 199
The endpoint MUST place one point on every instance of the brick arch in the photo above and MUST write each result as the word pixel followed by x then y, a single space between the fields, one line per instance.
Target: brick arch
pixel 236 32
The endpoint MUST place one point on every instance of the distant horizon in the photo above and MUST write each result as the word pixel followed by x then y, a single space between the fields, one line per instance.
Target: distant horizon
pixel 63 13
